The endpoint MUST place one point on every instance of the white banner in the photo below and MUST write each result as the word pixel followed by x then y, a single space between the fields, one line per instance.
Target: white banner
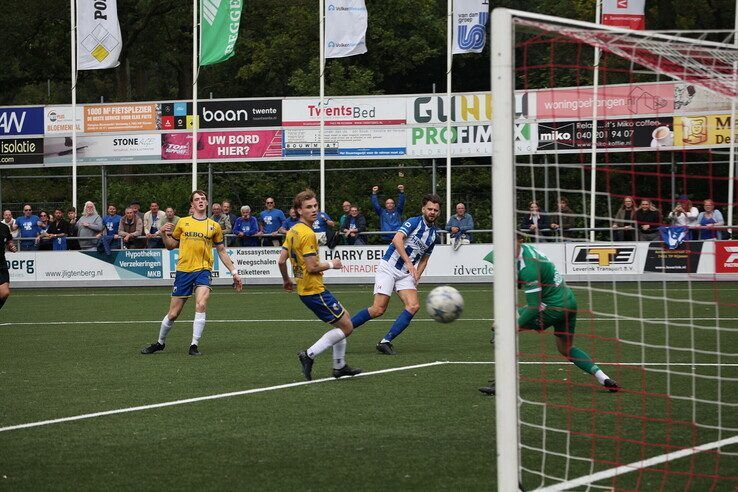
pixel 344 111
pixel 470 19
pixel 104 148
pixel 58 120
pixel 604 258
pixel 345 28
pixel 624 13
pixel 98 34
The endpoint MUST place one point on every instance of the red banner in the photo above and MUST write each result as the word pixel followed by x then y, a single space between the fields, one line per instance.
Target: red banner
pixel 624 13
pixel 236 145
pixel 726 257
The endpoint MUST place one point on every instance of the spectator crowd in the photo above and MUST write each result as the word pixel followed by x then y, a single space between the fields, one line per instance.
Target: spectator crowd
pixel 134 229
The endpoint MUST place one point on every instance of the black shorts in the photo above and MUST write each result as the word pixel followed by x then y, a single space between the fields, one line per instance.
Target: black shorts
pixel 4 276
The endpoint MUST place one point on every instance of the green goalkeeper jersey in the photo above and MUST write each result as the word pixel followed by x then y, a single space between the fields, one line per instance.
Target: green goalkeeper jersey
pixel 542 283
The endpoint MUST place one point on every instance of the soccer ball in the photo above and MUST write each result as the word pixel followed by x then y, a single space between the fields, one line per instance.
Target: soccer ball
pixel 444 304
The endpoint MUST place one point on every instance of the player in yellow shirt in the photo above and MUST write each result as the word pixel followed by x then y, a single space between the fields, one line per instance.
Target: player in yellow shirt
pixel 195 236
pixel 301 248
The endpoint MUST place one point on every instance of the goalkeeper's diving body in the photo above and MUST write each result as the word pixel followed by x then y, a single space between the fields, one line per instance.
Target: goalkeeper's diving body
pixel 550 302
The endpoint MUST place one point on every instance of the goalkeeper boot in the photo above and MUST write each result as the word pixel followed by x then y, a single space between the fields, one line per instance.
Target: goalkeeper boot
pixel 490 389
pixel 194 351
pixel 345 371
pixel 386 348
pixel 611 385
pixel 307 365
pixel 154 347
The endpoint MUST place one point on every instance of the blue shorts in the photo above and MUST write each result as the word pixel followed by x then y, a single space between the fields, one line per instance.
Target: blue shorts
pixel 186 282
pixel 325 306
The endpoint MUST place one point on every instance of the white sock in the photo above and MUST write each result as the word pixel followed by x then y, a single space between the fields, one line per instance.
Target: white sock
pixel 198 325
pixel 384 340
pixel 339 354
pixel 331 338
pixel 166 325
pixel 601 376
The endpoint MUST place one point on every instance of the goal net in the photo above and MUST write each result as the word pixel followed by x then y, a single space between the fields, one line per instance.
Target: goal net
pixel 613 156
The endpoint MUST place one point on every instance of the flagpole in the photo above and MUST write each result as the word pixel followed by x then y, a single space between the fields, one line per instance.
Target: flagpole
pixel 195 45
pixel 593 172
pixel 73 23
pixel 449 111
pixel 322 109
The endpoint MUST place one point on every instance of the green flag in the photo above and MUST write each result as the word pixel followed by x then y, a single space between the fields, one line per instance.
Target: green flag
pixel 219 22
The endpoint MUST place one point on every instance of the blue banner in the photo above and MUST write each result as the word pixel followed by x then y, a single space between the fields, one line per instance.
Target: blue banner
pixel 674 236
pixel 22 121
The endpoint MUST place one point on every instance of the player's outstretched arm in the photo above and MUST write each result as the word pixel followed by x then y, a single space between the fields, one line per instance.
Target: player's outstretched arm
pixel 226 259
pixel 282 263
pixel 313 265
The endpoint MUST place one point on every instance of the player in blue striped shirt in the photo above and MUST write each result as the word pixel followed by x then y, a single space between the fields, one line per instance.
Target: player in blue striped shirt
pixel 400 269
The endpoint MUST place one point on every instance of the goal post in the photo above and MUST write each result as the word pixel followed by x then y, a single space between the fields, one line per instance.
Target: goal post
pixel 503 219
pixel 660 318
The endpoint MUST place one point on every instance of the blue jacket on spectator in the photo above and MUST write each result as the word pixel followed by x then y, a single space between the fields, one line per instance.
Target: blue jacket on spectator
pixel 111 223
pixel 389 221
pixel 289 222
pixel 247 227
pixel 466 223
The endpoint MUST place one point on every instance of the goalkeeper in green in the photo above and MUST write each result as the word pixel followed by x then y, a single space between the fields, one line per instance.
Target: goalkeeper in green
pixel 550 302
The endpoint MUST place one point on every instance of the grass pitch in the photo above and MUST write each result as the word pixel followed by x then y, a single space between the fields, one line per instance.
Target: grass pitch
pixel 75 352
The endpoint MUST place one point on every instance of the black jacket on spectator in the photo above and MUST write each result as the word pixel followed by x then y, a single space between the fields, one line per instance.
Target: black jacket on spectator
pixel 650 217
pixel 360 221
pixel 543 223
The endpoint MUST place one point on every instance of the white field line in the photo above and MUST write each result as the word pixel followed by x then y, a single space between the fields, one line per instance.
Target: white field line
pixel 204 398
pixel 134 292
pixel 315 320
pixel 564 363
pixel 285 386
pixel 638 465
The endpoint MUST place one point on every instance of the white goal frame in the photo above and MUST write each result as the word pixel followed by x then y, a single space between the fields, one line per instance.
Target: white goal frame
pixel 502 55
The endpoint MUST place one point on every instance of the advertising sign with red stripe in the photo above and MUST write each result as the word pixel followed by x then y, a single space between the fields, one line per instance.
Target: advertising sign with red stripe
pixel 726 257
pixel 614 100
pixel 624 13
pixel 235 145
pixel 344 112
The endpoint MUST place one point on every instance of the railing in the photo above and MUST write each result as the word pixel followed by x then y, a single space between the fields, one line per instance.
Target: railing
pixel 574 234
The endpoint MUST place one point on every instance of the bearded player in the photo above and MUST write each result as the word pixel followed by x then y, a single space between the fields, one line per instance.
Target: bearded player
pixel 195 236
pixel 550 302
pixel 400 269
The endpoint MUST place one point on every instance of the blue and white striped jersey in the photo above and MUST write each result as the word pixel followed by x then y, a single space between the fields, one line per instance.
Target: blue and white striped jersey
pixel 420 238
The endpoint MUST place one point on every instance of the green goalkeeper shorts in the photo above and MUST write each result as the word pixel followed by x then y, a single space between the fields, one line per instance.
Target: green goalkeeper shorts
pixel 563 319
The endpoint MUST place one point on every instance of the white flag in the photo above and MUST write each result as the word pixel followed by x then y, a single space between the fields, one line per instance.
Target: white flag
pixel 345 28
pixel 98 34
pixel 469 29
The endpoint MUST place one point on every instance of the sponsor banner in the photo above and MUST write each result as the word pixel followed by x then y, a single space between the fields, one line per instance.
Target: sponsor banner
pixel 104 148
pixel 465 108
pixel 251 263
pixel 661 259
pixel 634 133
pixel 345 24
pixel 176 116
pixel 21 265
pixel 22 151
pixel 239 114
pixel 431 141
pixel 344 141
pixel 59 120
pixel 344 112
pixel 604 258
pixel 84 266
pixel 98 34
pixel 711 130
pixel 111 118
pixel 726 257
pixel 470 25
pixel 612 100
pixel 244 144
pixel 624 13
pixel 689 98
pixel 22 121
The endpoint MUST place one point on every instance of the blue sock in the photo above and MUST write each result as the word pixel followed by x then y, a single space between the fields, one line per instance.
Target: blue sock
pixel 360 318
pixel 402 322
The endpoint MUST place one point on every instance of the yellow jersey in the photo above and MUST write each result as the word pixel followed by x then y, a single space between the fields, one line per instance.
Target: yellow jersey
pixel 300 243
pixel 196 240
